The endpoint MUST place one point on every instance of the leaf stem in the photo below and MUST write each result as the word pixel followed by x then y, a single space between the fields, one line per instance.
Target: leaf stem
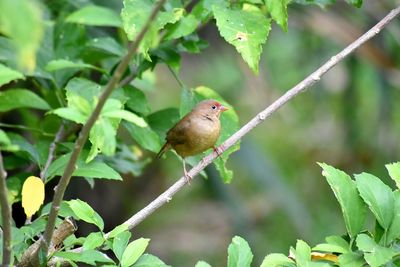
pixel 6 215
pixel 23 127
pixel 83 135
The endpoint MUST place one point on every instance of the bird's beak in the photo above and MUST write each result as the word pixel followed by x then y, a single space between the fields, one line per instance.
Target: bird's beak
pixel 223 108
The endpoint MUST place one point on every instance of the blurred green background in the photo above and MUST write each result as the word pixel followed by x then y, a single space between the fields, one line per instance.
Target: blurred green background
pixel 350 119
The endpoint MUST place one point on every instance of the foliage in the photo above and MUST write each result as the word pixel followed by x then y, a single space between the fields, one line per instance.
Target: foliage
pixel 54 64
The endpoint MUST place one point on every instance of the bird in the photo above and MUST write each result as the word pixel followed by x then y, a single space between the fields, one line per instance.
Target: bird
pixel 196 132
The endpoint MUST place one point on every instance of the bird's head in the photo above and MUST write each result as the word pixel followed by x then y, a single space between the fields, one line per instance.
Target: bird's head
pixel 210 107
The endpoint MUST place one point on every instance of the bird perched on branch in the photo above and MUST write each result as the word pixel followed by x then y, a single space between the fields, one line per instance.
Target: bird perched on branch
pixel 196 132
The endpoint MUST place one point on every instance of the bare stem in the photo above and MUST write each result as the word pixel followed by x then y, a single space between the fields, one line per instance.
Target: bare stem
pixel 260 117
pixel 5 214
pixel 83 135
pixel 52 149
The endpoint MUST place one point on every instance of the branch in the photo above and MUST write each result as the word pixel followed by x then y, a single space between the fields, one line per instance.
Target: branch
pixel 5 214
pixel 52 149
pixel 260 117
pixel 83 135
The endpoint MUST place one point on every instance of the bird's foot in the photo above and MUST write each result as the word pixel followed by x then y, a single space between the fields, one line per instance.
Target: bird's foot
pixel 188 178
pixel 219 150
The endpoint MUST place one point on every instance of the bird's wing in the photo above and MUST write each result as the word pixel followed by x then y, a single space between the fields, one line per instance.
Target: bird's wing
pixel 179 133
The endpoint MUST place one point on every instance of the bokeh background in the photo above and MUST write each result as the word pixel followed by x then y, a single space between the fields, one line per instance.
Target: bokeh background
pixel 350 119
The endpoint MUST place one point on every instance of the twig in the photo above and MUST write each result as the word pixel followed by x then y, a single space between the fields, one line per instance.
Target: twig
pixel 83 135
pixel 260 117
pixel 5 214
pixel 52 149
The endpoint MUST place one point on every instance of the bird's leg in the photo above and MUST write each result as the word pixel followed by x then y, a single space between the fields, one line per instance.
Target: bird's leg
pixel 218 150
pixel 188 178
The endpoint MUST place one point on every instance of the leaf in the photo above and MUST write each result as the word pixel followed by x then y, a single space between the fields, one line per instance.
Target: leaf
pixel 60 64
pixel 351 259
pixel 21 98
pixel 106 44
pixel 277 259
pixel 87 256
pixel 93 169
pixel 24 147
pixel 95 16
pixel 183 27
pixel 133 251
pixel 134 15
pixel 93 240
pixel 394 172
pixel 32 195
pixel 71 114
pixel 229 123
pixel 148 260
pixel 163 120
pixel 278 11
pixel 378 196
pixel 126 115
pixel 117 230
pixel 4 140
pixel 22 22
pixel 239 253
pixel 84 212
pixel 374 254
pixel 145 137
pixel 394 229
pixel 136 100
pixel 7 75
pixel 246 29
pixel 356 3
pixel 119 243
pixel 345 190
pixel 302 252
pixel 333 244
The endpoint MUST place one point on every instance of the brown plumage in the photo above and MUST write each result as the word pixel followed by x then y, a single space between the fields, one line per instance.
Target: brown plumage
pixel 196 132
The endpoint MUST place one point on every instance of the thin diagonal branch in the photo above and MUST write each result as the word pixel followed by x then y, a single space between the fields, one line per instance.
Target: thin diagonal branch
pixel 260 117
pixel 83 135
pixel 5 214
pixel 52 149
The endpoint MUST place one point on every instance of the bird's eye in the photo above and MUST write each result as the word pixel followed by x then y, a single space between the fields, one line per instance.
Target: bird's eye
pixel 214 107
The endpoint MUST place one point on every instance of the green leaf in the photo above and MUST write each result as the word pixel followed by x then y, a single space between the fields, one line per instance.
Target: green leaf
pixel 87 256
pixel 95 16
pixel 7 75
pixel 134 16
pixel 278 11
pixel 60 64
pixel 133 251
pixel 93 240
pixel 136 100
pixel 21 98
pixel 345 190
pixel 163 120
pixel 117 230
pixel 246 29
pixel 183 27
pixel 84 212
pixel 93 169
pixel 302 252
pixel 4 140
pixel 334 244
pixel 277 259
pixel 378 196
pixel 107 44
pixel 374 254
pixel 71 114
pixel 394 229
pixel 21 20
pixel 24 147
pixel 229 123
pixel 126 115
pixel 351 259
pixel 239 253
pixel 148 260
pixel 102 137
pixel 145 137
pixel 120 242
pixel 394 172
pixel 356 3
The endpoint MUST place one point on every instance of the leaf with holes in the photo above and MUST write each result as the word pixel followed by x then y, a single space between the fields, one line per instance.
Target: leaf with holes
pixel 246 29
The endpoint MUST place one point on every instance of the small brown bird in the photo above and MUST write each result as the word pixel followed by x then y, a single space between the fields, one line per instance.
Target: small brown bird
pixel 196 132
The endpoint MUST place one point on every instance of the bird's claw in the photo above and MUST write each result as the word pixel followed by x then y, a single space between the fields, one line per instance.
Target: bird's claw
pixel 218 150
pixel 188 178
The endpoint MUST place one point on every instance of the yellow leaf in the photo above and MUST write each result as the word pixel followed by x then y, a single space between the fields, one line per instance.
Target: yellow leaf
pixel 324 256
pixel 32 195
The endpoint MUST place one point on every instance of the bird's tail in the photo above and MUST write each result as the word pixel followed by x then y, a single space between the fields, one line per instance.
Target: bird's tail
pixel 164 148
